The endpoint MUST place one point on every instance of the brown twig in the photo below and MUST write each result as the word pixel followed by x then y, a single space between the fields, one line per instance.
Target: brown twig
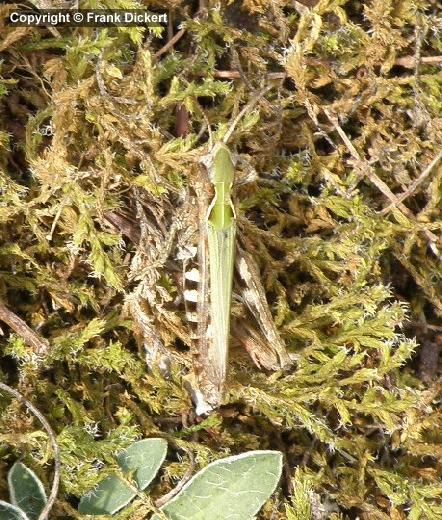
pixel 237 63
pixel 411 189
pixel 379 183
pixel 170 43
pixel 256 97
pixel 236 74
pixel 39 345
pixel 182 125
pixel 126 225
pixel 365 167
pixel 168 496
pixel 409 62
pixel 57 464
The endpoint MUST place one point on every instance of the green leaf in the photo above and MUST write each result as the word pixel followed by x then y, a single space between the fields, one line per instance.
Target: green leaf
pixel 234 487
pixel 111 495
pixel 26 490
pixel 143 459
pixel 10 512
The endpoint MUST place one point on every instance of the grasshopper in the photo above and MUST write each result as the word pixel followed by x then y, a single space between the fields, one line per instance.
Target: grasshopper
pixel 221 251
pixel 218 253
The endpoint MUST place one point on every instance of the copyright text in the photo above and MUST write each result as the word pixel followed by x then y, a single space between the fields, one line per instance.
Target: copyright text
pixel 87 18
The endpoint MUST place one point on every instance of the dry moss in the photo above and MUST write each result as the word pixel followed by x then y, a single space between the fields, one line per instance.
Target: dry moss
pixel 101 134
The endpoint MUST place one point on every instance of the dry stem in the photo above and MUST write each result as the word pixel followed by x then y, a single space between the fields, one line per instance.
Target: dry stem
pixel 57 464
pixel 39 345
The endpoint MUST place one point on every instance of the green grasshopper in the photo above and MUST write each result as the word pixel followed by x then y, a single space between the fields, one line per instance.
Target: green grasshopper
pixel 217 258
pixel 221 251
pixel 217 248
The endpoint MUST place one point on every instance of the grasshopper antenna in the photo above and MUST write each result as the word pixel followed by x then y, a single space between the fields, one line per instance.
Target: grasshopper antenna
pixel 209 130
pixel 245 109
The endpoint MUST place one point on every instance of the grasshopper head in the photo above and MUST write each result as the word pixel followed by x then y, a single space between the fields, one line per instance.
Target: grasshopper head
pixel 220 164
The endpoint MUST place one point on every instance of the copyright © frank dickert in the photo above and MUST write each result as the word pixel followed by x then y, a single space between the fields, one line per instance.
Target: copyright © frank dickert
pixel 86 18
